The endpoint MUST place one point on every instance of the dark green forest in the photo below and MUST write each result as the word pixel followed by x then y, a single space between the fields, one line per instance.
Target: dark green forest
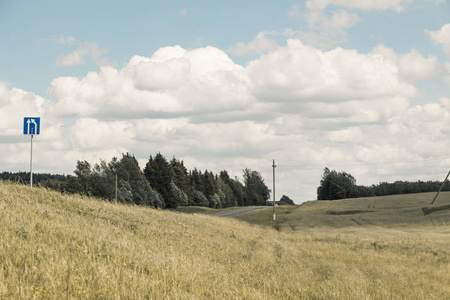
pixel 341 185
pixel 24 177
pixel 161 184
pixel 169 184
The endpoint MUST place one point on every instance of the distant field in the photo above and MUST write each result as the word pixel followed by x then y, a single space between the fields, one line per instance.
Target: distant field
pixel 56 246
pixel 387 212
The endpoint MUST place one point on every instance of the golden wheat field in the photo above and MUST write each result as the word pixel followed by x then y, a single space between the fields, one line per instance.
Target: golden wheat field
pixel 55 246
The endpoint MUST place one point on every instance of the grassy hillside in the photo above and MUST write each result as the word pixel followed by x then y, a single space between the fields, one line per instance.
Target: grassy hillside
pixel 387 212
pixel 70 247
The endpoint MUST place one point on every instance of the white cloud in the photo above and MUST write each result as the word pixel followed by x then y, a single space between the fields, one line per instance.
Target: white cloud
pixel 445 102
pixel 412 66
pixel 447 78
pixel 260 44
pixel 328 28
pixel 166 75
pixel 340 109
pixel 79 56
pixel 350 134
pixel 441 37
pixel 91 134
pixel 95 50
pixel 66 40
pixel 329 19
pixel 427 124
pixel 74 58
pixel 337 21
pixel 16 104
pixel 183 12
pixel 301 73
pixel 172 82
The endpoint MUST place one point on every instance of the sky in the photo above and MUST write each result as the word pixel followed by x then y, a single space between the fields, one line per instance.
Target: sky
pixel 353 85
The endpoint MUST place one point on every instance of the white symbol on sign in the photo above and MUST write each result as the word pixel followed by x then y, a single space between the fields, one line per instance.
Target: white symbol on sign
pixel 31 126
pixel 29 122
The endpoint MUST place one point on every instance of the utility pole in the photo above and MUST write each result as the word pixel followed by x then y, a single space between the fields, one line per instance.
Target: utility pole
pixel 439 190
pixel 273 166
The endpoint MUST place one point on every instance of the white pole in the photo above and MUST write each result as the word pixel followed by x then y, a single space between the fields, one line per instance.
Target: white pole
pixel 31 164
pixel 274 215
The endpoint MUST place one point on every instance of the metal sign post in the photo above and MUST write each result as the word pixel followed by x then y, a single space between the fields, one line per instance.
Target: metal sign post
pixel 31 126
pixel 31 164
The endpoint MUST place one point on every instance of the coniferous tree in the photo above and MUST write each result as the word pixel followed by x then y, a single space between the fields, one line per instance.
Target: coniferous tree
pixel 209 184
pixel 180 174
pixel 196 180
pixel 159 174
pixel 181 177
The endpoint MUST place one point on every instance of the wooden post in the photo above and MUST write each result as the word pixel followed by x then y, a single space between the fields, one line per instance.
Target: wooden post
pixel 439 190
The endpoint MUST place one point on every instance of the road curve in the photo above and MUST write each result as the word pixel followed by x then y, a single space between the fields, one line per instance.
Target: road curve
pixel 239 211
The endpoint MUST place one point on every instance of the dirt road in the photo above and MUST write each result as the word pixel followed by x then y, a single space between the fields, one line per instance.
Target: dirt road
pixel 239 211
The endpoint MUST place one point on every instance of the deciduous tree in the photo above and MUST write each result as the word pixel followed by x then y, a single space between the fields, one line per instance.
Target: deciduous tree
pixel 336 185
pixel 256 191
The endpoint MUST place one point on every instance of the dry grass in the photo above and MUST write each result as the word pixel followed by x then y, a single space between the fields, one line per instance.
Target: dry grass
pixel 70 247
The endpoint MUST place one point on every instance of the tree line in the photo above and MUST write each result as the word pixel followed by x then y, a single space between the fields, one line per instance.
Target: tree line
pixel 24 177
pixel 161 184
pixel 341 185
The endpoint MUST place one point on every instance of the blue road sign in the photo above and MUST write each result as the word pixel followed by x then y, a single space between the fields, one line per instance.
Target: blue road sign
pixel 31 125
